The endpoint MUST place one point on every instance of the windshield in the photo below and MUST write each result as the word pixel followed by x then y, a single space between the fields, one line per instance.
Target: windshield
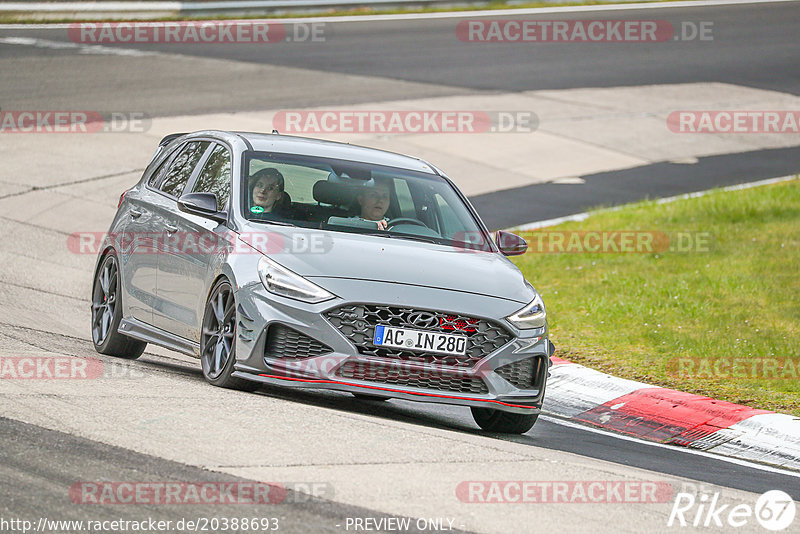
pixel 352 197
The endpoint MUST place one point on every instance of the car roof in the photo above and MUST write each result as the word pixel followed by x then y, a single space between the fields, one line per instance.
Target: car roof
pixel 306 146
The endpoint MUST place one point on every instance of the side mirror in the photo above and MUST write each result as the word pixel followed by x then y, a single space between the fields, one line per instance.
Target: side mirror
pixel 510 244
pixel 202 204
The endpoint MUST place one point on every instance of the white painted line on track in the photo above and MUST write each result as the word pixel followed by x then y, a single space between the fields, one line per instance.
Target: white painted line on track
pixel 686 450
pixel 80 48
pixel 461 14
pixel 577 217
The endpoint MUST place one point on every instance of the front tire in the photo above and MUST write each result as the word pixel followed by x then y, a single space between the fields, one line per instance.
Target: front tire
pixel 218 340
pixel 492 420
pixel 107 313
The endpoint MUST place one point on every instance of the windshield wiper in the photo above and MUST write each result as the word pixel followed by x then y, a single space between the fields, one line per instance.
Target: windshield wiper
pixel 410 237
pixel 267 221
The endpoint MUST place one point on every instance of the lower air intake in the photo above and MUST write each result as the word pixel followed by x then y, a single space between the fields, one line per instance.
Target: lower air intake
pixel 402 376
pixel 285 343
pixel 522 374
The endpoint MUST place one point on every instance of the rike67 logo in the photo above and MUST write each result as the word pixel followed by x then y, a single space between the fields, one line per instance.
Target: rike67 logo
pixel 774 510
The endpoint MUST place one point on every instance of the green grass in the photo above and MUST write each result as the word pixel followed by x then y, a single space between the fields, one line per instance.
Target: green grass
pixel 634 314
pixel 492 5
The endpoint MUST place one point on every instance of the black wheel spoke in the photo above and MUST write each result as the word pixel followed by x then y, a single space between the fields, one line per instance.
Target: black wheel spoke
pixel 209 347
pixel 219 309
pixel 104 280
pixel 105 324
pixel 229 306
pixel 218 356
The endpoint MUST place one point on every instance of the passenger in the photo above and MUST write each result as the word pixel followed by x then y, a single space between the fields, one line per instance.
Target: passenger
pixel 267 194
pixel 373 204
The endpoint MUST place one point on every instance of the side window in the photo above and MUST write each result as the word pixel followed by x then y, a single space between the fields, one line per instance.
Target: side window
pixel 157 173
pixel 298 179
pixel 216 176
pixel 182 167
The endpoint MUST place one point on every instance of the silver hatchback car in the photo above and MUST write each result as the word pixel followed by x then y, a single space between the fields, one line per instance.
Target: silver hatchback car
pixel 306 263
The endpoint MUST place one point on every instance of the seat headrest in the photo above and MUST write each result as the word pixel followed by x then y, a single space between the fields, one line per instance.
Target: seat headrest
pixel 326 192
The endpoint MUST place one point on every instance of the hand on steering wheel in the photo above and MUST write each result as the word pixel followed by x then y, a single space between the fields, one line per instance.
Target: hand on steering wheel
pixel 405 220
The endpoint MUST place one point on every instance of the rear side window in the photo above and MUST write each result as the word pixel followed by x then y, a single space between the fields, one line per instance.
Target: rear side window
pixel 216 176
pixel 157 173
pixel 182 167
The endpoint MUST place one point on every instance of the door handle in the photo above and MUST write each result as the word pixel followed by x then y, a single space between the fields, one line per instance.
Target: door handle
pixel 135 214
pixel 170 228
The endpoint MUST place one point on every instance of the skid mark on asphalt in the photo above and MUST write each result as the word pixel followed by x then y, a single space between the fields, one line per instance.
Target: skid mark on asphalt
pixel 73 182
pixel 36 226
pixel 47 292
pixel 79 346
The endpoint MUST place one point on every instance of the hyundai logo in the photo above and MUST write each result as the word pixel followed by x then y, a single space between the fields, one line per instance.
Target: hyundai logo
pixel 423 319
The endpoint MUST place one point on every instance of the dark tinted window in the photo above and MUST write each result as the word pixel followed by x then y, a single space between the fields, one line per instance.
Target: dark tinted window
pixel 354 197
pixel 216 177
pixel 158 173
pixel 182 167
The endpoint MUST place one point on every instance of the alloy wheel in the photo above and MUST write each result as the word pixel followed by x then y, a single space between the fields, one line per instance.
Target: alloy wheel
pixel 219 328
pixel 104 300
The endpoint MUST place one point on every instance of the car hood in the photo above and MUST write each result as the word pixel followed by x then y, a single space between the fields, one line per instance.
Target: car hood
pixel 326 254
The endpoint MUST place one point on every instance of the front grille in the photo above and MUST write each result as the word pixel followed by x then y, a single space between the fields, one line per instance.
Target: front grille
pixel 358 322
pixel 288 344
pixel 402 376
pixel 523 373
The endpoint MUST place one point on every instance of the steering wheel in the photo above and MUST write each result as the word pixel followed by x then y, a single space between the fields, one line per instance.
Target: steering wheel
pixel 405 220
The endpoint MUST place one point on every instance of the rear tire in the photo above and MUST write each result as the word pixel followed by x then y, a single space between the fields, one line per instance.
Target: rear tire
pixel 107 313
pixel 492 420
pixel 218 340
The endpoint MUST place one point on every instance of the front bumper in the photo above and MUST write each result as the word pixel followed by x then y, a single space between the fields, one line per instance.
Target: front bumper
pixel 294 344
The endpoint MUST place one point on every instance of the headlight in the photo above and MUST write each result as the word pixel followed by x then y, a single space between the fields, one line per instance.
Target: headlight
pixel 531 316
pixel 281 281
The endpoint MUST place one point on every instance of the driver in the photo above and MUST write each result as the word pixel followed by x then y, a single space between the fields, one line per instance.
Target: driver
pixel 373 204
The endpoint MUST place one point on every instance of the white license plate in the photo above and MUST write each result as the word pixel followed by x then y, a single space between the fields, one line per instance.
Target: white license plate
pixel 422 340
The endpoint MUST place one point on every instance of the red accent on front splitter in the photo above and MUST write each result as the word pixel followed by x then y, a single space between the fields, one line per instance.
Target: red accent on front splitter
pixel 666 415
pixel 558 361
pixel 318 381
